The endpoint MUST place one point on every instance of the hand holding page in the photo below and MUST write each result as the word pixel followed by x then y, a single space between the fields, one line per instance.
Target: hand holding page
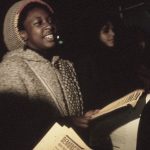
pixel 129 99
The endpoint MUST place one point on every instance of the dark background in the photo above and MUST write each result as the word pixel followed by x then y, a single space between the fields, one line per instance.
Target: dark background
pixel 71 13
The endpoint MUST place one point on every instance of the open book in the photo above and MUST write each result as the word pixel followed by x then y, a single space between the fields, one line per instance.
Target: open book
pixel 129 99
pixel 61 138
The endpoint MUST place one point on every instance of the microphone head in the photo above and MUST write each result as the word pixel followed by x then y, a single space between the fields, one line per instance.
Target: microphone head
pixel 59 40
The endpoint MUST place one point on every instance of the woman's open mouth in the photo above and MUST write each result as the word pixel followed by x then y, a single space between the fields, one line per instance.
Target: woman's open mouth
pixel 49 37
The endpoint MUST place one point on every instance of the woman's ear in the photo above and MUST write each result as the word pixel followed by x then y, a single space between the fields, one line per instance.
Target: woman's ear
pixel 23 35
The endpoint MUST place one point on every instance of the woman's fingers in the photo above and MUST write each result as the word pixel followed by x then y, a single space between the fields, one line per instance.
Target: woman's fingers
pixel 91 112
pixel 81 121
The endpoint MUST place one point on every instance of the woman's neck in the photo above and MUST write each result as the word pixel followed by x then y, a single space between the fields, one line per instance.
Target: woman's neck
pixel 47 54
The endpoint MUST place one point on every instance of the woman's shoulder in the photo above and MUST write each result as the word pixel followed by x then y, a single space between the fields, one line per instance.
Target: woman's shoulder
pixel 11 62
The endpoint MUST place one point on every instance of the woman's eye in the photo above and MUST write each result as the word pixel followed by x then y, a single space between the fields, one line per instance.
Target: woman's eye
pixel 37 23
pixel 105 30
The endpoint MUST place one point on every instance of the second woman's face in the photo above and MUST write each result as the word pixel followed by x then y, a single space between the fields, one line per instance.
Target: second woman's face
pixel 107 35
pixel 39 30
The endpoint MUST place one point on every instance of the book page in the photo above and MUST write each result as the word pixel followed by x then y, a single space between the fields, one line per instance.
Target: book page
pixel 73 134
pixel 129 99
pixel 68 143
pixel 61 138
pixel 50 138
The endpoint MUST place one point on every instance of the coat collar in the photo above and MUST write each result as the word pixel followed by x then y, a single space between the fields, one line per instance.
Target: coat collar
pixel 31 55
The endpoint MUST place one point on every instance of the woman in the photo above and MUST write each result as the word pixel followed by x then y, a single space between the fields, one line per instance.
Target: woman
pixel 103 75
pixel 37 88
pixel 103 66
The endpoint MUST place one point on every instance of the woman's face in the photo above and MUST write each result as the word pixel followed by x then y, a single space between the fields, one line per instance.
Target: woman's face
pixel 39 30
pixel 107 35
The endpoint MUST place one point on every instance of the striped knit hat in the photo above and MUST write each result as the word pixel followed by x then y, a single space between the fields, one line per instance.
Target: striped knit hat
pixel 11 35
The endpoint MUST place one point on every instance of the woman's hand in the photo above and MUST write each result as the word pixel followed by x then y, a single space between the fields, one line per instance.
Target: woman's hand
pixel 83 121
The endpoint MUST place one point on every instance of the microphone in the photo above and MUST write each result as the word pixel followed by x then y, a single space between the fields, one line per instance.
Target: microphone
pixel 59 40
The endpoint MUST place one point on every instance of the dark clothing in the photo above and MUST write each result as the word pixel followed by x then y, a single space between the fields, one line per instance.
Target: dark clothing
pixel 144 129
pixel 105 75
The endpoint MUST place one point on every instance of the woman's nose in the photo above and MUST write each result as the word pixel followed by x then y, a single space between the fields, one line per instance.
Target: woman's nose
pixel 51 27
pixel 48 25
pixel 111 32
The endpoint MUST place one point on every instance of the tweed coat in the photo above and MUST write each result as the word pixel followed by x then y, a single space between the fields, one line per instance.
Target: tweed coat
pixel 34 94
pixel 28 73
